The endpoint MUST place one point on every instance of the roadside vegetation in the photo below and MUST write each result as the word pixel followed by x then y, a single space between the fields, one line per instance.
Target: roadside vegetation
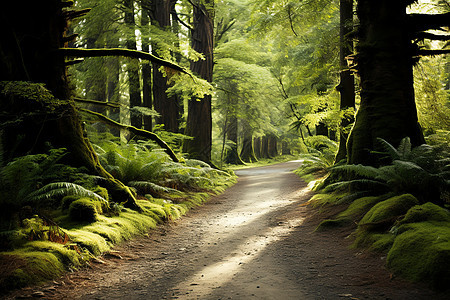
pixel 399 209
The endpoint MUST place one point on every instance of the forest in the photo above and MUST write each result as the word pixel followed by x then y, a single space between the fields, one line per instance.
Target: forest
pixel 119 116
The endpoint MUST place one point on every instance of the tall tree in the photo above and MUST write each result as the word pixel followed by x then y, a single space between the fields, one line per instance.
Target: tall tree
pixel 199 119
pixel 166 106
pixel 346 85
pixel 134 86
pixel 385 61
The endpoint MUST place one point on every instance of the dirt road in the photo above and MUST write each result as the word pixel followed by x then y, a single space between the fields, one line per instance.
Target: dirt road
pixel 252 242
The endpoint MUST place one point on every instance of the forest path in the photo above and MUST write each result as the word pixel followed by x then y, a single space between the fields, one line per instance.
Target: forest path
pixel 252 242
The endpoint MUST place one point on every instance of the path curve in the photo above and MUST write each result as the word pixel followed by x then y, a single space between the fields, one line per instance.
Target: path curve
pixel 252 242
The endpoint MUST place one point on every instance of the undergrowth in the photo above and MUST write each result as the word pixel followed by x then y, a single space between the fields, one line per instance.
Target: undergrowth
pixel 400 208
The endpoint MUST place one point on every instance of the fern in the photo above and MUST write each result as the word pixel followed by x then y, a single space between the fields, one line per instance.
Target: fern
pixel 59 189
pixel 420 171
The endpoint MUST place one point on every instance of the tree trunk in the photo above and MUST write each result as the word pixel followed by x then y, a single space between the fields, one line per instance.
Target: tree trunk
pixel 285 149
pixel 134 87
pixel 265 147
pixel 247 153
pixel 29 44
pixel 231 154
pixel 147 100
pixel 273 146
pixel 385 63
pixel 166 106
pixel 199 120
pixel 257 147
pixel 346 86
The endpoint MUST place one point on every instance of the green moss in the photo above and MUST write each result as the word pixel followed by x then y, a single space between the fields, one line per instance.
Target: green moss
pixel 327 224
pixel 388 210
pixel 421 252
pixel 67 200
pixel 93 242
pixel 68 256
pixel 326 199
pixel 37 267
pixel 359 207
pixel 84 210
pixel 426 212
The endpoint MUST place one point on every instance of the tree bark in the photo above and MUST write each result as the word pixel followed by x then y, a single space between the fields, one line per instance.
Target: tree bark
pixel 346 87
pixel 199 120
pixel 232 155
pixel 273 146
pixel 147 100
pixel 134 86
pixel 257 147
pixel 247 152
pixel 265 147
pixel 385 63
pixel 166 106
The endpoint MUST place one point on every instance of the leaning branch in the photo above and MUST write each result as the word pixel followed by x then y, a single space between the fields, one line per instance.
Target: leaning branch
pixel 136 131
pixel 82 52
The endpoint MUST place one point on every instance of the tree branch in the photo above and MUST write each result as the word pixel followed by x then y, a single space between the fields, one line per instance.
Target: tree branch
pixel 137 131
pixel 96 102
pixel 82 52
pixel 430 36
pixel 423 22
pixel 433 52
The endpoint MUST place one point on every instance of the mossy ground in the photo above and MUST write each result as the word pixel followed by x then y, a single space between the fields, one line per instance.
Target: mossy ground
pixel 416 238
pixel 90 230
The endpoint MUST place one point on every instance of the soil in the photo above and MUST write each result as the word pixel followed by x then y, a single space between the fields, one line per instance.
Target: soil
pixel 255 241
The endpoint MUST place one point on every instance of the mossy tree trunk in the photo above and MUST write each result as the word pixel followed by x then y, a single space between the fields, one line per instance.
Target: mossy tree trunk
pixel 385 63
pixel 199 119
pixel 29 52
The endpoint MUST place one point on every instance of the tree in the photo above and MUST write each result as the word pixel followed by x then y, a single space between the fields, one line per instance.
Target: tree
pixel 199 120
pixel 346 87
pixel 134 88
pixel 385 59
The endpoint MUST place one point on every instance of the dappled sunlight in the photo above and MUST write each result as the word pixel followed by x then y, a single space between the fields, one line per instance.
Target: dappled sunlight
pixel 215 275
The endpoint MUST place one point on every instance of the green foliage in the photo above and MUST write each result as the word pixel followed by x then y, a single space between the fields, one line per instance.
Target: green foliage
pixel 150 171
pixel 420 171
pixel 320 156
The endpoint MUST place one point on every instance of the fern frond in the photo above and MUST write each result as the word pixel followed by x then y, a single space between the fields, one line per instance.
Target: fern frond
pixel 358 183
pixel 391 151
pixel 404 149
pixel 150 187
pixel 196 163
pixel 61 189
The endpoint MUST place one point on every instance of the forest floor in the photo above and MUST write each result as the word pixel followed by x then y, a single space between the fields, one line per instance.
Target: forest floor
pixel 255 241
